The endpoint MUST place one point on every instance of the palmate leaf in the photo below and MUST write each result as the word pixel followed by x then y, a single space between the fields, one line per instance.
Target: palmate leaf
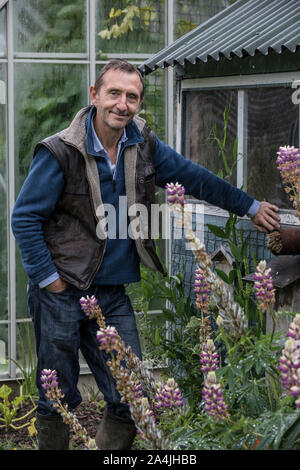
pixel 276 426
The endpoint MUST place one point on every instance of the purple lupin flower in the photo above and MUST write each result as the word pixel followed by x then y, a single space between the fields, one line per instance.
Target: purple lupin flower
pixel 108 338
pixel 201 290
pixel 209 357
pixel 289 365
pixel 89 304
pixel 212 395
pixel 175 193
pixel 168 395
pixel 288 163
pixel 263 285
pixel 49 379
pixel 294 328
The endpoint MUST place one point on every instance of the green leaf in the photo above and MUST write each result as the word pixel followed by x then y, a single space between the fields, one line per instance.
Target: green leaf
pixel 275 426
pixel 236 251
pixel 157 337
pixel 223 275
pixel 218 231
pixel 292 434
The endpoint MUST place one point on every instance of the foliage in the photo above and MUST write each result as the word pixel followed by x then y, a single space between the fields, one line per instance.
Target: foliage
pixel 120 21
pixel 9 409
pixel 28 362
pixel 262 416
pixel 170 336
pixel 222 143
pixel 239 245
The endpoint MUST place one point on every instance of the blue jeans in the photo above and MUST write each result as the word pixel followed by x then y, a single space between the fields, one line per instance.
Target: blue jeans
pixel 62 329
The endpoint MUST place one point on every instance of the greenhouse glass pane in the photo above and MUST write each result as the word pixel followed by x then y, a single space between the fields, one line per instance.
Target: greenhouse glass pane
pixel 3 349
pixel 206 113
pixel 125 28
pixel 26 351
pixel 3 43
pixel 273 121
pixel 47 97
pixel 56 26
pixel 190 13
pixel 3 197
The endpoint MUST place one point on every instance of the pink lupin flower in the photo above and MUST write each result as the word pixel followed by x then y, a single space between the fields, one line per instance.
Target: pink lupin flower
pixel 263 286
pixel 294 328
pixel 49 379
pixel 168 395
pixel 209 357
pixel 212 395
pixel 175 193
pixel 201 290
pixel 289 365
pixel 288 162
pixel 108 338
pixel 88 304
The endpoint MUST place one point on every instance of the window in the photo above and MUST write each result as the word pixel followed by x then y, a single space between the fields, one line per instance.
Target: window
pixel 256 115
pixel 244 123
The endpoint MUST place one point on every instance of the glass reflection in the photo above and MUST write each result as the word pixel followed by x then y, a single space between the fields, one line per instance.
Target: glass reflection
pixel 273 121
pixel 127 28
pixel 3 220
pixel 3 43
pixel 56 26
pixel 47 97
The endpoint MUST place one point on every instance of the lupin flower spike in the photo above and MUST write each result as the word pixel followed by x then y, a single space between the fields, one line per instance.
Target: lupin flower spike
pixel 212 394
pixel 168 395
pixel 209 357
pixel 235 320
pixel 49 379
pixel 288 163
pixel 108 338
pixel 289 365
pixel 88 304
pixel 201 290
pixel 263 286
pixel 175 193
pixel 92 309
pixel 294 328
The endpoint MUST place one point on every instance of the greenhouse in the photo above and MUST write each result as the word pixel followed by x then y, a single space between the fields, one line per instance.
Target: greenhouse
pixel 218 320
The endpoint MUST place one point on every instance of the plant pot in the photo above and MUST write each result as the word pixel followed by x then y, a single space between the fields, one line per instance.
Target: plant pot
pixel 285 241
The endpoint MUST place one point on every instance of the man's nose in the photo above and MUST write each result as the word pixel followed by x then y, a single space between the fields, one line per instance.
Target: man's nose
pixel 122 103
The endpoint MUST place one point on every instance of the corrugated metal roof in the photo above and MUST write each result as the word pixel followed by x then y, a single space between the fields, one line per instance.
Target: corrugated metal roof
pixel 245 28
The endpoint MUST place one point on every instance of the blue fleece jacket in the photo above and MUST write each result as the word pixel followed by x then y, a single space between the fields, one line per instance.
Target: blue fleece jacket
pixel 44 184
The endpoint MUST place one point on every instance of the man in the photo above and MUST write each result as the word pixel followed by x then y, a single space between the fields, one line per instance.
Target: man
pixel 107 152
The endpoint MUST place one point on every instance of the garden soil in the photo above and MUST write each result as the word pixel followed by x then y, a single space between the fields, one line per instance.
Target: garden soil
pixel 89 415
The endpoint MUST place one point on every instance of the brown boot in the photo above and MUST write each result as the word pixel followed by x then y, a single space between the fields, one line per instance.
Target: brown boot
pixel 115 433
pixel 53 433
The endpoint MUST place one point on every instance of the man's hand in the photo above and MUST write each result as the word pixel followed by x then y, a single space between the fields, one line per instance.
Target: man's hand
pixel 57 286
pixel 266 218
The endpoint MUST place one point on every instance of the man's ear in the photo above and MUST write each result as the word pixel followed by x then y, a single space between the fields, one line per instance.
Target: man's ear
pixel 93 94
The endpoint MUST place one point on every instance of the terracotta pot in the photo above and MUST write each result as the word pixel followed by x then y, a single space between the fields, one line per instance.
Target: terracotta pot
pixel 285 241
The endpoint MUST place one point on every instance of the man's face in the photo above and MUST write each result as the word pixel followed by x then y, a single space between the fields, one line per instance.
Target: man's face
pixel 118 99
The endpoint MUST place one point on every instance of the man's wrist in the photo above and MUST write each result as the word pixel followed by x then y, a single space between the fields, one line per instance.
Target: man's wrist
pixel 253 209
pixel 53 277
